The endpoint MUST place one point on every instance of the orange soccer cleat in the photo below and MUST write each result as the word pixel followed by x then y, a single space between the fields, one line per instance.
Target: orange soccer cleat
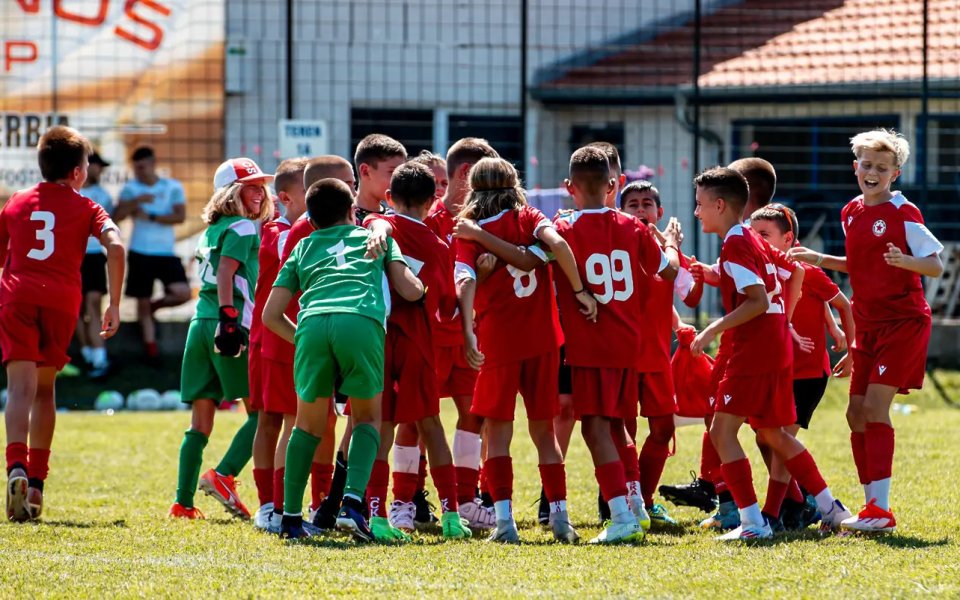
pixel 224 490
pixel 178 511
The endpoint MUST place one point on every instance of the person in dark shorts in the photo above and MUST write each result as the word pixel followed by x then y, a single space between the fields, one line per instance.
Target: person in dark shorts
pixel 93 274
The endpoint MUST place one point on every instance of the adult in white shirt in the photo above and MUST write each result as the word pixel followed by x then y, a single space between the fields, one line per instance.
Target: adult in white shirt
pixel 156 204
pixel 93 274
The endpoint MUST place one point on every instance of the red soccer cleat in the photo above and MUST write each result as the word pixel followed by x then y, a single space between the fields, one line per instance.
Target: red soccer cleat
pixel 178 511
pixel 224 490
pixel 872 519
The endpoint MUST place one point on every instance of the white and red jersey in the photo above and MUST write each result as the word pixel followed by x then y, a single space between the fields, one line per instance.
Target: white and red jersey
pixel 448 332
pixel 300 229
pixel 617 257
pixel 881 292
pixel 809 321
pixel 763 344
pixel 273 241
pixel 658 312
pixel 43 237
pixel 516 310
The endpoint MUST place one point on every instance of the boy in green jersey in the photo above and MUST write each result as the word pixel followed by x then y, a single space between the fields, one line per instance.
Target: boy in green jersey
pixel 340 331
pixel 215 358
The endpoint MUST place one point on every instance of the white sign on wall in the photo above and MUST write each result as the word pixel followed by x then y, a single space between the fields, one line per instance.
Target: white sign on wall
pixel 302 138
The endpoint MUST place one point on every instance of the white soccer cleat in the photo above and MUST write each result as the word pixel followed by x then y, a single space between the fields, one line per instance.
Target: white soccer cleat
pixel 18 509
pixel 748 532
pixel 836 517
pixel 505 533
pixel 640 512
pixel 261 520
pixel 477 516
pixel 402 514
pixel 563 531
pixel 276 520
pixel 619 532
pixel 872 519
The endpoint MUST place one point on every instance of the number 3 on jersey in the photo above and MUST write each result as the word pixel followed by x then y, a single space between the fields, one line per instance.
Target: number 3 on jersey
pixel 44 234
pixel 605 270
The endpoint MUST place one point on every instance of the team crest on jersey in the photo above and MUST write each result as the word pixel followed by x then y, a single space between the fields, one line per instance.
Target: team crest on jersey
pixel 849 220
pixel 879 227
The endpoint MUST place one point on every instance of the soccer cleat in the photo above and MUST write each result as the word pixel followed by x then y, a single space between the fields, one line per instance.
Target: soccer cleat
pixel 774 522
pixel 505 533
pixel 660 516
pixel 726 517
pixel 603 509
pixel 312 529
pixel 477 515
pixel 402 515
pixel 797 516
pixel 486 500
pixel 351 521
pixel 833 520
pixel 543 509
pixel 424 516
pixel 261 520
pixel 619 532
pixel 640 512
pixel 323 518
pixel 383 531
pixel 223 489
pixel 18 508
pixel 454 527
pixel 35 502
pixel 872 519
pixel 563 531
pixel 177 511
pixel 699 493
pixel 291 528
pixel 748 532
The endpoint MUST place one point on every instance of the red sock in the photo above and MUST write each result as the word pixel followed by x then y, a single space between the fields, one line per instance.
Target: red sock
pixel 321 476
pixel 17 454
pixel 653 455
pixel 263 478
pixel 613 482
pixel 377 488
pixel 39 463
pixel 554 480
pixel 631 466
pixel 776 492
pixel 804 470
pixel 404 486
pixel 422 472
pixel 445 479
pixel 739 480
pixel 467 484
pixel 858 443
pixel 482 482
pixel 499 472
pixel 278 489
pixel 794 492
pixel 879 441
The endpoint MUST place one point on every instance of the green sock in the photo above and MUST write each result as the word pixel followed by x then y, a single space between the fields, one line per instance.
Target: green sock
pixel 241 448
pixel 364 445
pixel 191 457
pixel 300 451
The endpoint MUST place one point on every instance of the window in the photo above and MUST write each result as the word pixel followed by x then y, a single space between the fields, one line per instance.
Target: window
pixel 412 128
pixel 583 134
pixel 504 132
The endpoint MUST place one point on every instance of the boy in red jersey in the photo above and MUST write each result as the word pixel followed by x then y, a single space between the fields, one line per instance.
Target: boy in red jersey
pixel 410 392
pixel 757 378
pixel 519 336
pixel 618 256
pixel 43 237
pixel 888 248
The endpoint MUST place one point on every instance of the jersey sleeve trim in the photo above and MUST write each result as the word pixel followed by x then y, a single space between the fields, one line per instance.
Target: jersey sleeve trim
pixel 664 262
pixel 463 271
pixel 742 276
pixel 538 252
pixel 921 241
pixel 243 227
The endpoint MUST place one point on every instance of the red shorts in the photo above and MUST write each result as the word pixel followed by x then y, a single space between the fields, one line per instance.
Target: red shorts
pixel 454 376
pixel 894 354
pixel 495 396
pixel 765 399
pixel 37 334
pixel 604 392
pixel 657 396
pixel 409 381
pixel 716 376
pixel 254 370
pixel 278 391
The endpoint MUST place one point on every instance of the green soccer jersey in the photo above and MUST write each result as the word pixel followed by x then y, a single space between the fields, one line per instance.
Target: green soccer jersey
pixel 330 268
pixel 234 237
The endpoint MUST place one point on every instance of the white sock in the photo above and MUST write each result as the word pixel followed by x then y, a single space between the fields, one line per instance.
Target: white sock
pixel 406 459
pixel 751 515
pixel 98 357
pixel 466 449
pixel 825 501
pixel 867 492
pixel 880 490
pixel 85 352
pixel 558 506
pixel 620 510
pixel 503 510
pixel 633 492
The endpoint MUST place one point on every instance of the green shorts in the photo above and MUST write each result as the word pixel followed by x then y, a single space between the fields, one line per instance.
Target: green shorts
pixel 343 344
pixel 206 375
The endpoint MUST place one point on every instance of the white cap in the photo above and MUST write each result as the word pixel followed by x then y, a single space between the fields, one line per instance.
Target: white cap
pixel 238 169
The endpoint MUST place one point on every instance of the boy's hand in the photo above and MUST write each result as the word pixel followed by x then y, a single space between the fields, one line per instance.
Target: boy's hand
pixel 703 339
pixel 657 234
pixel 673 234
pixel 839 339
pixel 110 323
pixel 589 304
pixel 843 366
pixel 703 273
pixel 802 254
pixel 465 229
pixel 376 244
pixel 486 262
pixel 806 344
pixel 229 339
pixel 473 354
pixel 895 257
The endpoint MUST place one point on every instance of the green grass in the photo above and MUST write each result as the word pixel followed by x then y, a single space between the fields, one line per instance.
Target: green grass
pixel 105 532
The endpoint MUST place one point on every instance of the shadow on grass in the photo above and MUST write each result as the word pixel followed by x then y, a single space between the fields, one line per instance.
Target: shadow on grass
pixel 906 541
pixel 119 523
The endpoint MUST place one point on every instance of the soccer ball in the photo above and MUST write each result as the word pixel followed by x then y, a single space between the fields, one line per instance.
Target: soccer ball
pixel 145 399
pixel 170 400
pixel 108 400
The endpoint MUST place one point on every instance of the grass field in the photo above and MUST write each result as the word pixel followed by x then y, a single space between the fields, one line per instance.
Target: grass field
pixel 105 532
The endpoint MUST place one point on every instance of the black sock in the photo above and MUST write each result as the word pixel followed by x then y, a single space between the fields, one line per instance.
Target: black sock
pixel 331 503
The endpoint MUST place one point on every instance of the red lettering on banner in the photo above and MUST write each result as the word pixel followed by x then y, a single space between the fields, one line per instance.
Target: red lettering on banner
pixel 12 55
pixel 94 21
pixel 29 7
pixel 157 39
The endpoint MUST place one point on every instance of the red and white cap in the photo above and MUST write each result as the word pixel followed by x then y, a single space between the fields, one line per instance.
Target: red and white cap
pixel 243 170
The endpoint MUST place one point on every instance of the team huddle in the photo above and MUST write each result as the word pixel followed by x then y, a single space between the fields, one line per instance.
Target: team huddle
pixel 394 282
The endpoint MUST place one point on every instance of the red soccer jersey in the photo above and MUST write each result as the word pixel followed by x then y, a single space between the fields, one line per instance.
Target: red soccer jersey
pixel 300 229
pixel 448 331
pixel 516 310
pixel 883 293
pixel 617 256
pixel 273 245
pixel 43 237
pixel 763 344
pixel 809 321
pixel 658 312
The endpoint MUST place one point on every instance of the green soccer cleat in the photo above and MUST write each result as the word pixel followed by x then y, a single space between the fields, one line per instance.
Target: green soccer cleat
pixel 383 531
pixel 660 516
pixel 454 528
